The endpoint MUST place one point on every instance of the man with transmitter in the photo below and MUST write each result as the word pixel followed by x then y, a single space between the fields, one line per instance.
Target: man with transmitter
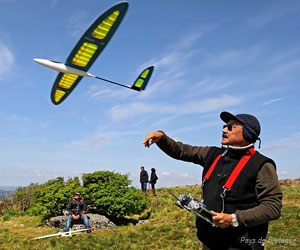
pixel 240 185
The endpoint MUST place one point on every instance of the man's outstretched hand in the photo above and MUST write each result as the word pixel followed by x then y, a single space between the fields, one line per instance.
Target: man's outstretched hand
pixel 152 137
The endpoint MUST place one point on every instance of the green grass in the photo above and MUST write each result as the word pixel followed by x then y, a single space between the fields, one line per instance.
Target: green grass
pixel 168 228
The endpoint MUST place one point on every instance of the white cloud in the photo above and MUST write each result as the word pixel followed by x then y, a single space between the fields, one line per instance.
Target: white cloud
pixel 185 175
pixel 103 92
pixel 170 179
pixel 94 141
pixel 121 112
pixel 38 173
pixel 178 52
pixel 195 127
pixel 170 67
pixel 273 13
pixel 213 84
pixel 32 173
pixel 272 101
pixel 78 23
pixel 14 117
pixel 91 142
pixel 280 67
pixel 208 105
pixel 165 173
pixel 286 175
pixel 286 68
pixel 233 58
pixel 6 59
pixel 285 145
pixel 284 172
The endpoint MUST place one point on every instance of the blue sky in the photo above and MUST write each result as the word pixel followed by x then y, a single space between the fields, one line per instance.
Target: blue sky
pixel 210 56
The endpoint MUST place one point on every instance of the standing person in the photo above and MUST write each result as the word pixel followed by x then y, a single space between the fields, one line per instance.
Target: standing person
pixel 144 178
pixel 76 210
pixel 242 203
pixel 153 179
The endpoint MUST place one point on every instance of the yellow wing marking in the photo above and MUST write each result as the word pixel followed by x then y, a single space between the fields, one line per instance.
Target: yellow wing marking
pixel 58 95
pixel 67 81
pixel 84 54
pixel 103 28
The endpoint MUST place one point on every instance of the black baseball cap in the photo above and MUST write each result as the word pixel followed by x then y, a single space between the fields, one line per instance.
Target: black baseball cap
pixel 251 126
pixel 77 193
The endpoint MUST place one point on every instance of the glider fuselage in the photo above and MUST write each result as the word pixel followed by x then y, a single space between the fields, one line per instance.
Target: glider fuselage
pixel 62 67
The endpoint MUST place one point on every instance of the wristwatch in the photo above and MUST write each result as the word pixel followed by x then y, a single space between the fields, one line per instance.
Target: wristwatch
pixel 234 221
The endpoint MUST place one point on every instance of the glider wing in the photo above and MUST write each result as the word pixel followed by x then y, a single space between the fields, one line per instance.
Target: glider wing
pixel 87 49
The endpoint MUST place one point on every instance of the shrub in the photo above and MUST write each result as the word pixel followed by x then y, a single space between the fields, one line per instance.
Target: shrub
pixel 23 197
pixel 106 192
pixel 109 194
pixel 4 205
pixel 53 196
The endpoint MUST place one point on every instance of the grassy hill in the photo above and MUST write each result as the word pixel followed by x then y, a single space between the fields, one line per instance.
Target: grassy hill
pixel 168 228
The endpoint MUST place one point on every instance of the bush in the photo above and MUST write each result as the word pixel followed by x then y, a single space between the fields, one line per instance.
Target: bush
pixel 106 193
pixel 23 197
pixel 4 205
pixel 53 196
pixel 109 194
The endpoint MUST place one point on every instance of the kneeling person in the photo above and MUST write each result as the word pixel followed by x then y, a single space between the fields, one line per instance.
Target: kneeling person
pixel 76 210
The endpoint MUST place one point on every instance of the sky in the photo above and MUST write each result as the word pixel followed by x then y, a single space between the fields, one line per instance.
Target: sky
pixel 209 57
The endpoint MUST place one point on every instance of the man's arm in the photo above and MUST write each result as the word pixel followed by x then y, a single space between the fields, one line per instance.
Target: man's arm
pixel 83 209
pixel 69 207
pixel 269 195
pixel 177 150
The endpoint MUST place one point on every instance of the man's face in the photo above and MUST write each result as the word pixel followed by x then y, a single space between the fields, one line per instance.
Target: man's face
pixel 77 197
pixel 142 168
pixel 233 137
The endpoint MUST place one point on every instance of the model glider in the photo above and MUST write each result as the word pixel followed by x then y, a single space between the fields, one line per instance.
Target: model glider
pixel 63 234
pixel 86 51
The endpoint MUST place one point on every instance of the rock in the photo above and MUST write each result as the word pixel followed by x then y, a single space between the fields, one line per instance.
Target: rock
pixel 96 221
pixel 100 221
pixel 140 222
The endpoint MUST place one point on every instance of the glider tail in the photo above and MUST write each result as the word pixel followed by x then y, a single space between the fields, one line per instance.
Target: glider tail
pixel 141 82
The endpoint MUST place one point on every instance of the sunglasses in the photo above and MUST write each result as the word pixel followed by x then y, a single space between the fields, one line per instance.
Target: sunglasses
pixel 230 126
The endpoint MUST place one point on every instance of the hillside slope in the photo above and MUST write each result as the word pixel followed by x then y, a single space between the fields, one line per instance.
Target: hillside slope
pixel 168 228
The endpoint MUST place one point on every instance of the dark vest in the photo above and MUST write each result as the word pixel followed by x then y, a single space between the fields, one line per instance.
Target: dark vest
pixel 241 197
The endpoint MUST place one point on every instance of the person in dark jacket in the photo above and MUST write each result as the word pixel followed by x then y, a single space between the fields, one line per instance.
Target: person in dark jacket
pixel 144 179
pixel 153 180
pixel 240 185
pixel 76 210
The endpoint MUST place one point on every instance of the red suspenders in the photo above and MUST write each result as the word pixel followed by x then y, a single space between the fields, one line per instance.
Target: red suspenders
pixel 235 173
